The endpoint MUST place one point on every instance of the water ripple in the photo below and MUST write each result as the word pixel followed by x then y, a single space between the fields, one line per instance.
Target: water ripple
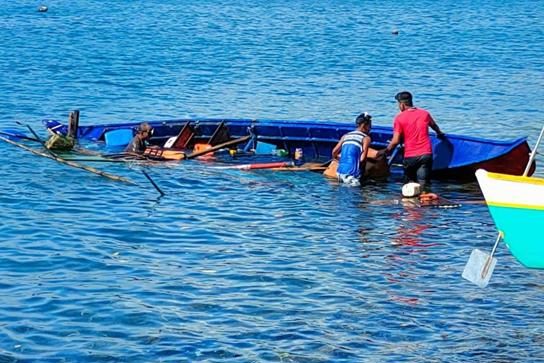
pixel 259 266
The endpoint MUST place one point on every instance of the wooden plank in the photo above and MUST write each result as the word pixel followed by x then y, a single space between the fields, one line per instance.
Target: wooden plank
pixel 184 137
pixel 217 147
pixel 73 124
pixel 220 135
pixel 330 172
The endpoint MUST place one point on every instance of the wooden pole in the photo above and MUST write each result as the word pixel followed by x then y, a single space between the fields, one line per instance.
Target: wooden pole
pixel 153 183
pixel 69 163
pixel 73 124
pixel 217 147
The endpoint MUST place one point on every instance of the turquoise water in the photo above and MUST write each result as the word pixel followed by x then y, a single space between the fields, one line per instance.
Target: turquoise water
pixel 235 266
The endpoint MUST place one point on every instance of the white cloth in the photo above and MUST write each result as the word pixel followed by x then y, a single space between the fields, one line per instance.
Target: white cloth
pixel 349 180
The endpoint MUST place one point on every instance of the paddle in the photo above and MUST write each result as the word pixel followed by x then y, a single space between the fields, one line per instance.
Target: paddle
pixel 480 265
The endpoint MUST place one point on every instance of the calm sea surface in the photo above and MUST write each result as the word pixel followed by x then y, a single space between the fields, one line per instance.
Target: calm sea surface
pixel 235 266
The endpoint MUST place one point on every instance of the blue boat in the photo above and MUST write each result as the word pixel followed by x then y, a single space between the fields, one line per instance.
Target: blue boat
pixel 456 157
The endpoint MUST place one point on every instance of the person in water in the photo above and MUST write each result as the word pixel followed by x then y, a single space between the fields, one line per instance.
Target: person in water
pixel 412 125
pixel 353 150
pixel 138 143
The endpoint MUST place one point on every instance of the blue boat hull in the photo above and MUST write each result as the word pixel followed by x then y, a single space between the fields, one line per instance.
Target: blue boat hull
pixel 457 157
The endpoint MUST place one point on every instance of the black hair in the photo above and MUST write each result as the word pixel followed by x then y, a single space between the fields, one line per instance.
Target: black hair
pixel 145 127
pixel 404 97
pixel 363 119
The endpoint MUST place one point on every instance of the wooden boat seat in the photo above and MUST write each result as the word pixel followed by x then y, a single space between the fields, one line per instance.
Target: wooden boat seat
pixel 182 139
pixel 220 135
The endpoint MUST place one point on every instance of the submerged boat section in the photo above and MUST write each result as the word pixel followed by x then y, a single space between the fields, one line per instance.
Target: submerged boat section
pixel 456 156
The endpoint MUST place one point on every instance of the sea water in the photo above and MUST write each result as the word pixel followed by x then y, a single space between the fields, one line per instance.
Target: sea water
pixel 234 266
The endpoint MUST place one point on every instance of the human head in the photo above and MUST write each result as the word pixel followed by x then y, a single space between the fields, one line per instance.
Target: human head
pixel 145 130
pixel 404 100
pixel 364 121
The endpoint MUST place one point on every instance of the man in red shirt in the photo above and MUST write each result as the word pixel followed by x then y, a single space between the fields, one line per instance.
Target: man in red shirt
pixel 412 125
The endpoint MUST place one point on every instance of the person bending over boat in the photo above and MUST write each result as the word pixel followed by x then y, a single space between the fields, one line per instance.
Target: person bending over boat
pixel 353 150
pixel 138 143
pixel 412 125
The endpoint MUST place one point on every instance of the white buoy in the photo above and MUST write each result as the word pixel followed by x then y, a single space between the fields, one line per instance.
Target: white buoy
pixel 410 190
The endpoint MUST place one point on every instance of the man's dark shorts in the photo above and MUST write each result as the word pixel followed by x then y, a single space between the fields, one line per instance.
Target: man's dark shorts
pixel 418 169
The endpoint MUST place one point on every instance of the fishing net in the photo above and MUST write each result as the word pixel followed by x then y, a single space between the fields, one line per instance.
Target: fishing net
pixel 60 143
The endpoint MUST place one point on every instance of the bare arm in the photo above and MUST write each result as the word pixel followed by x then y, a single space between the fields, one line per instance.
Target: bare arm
pixel 366 146
pixel 435 127
pixel 337 148
pixel 393 143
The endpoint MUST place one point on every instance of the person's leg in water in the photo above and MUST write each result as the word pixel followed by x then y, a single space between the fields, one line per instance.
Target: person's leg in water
pixel 411 166
pixel 349 180
pixel 424 169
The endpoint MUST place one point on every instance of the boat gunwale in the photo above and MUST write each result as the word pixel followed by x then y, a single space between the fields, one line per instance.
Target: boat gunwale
pixel 519 179
pixel 507 145
pixel 489 182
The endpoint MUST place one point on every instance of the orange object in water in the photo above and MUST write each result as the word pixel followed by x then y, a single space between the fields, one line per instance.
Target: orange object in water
pixel 427 197
pixel 201 147
pixel 157 153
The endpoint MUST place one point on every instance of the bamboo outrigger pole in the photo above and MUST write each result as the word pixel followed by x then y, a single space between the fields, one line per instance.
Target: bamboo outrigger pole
pixel 53 156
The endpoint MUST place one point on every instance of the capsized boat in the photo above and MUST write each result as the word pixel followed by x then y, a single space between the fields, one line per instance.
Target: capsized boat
pixel 456 157
pixel 516 204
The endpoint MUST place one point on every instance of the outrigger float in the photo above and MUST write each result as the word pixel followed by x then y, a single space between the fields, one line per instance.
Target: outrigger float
pixel 456 157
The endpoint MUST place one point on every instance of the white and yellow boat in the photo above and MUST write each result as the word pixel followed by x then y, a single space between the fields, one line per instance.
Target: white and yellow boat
pixel 516 204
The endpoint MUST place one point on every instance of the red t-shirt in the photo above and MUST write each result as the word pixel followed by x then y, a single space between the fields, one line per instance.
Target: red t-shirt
pixel 413 125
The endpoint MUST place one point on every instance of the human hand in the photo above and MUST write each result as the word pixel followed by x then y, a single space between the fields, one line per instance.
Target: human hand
pixel 441 136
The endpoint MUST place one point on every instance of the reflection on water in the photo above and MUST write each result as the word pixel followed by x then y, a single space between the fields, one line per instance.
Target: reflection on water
pixel 411 226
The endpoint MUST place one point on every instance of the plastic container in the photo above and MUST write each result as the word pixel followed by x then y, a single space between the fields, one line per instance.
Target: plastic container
pixel 299 156
pixel 410 190
pixel 281 153
pixel 265 149
pixel 119 137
